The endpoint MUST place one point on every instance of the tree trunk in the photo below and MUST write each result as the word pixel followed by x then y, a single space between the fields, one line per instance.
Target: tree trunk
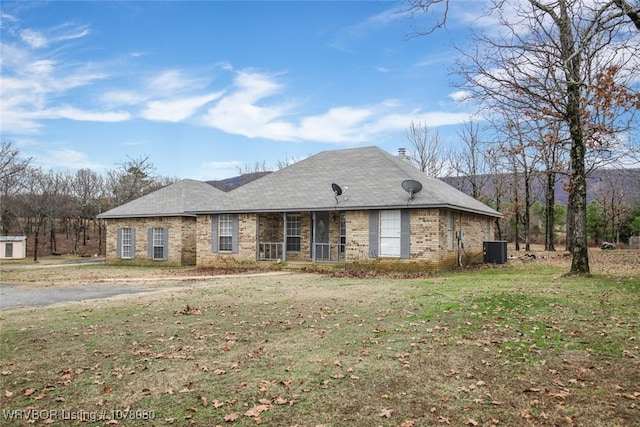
pixel 550 199
pixel 36 242
pixel 527 213
pixel 578 179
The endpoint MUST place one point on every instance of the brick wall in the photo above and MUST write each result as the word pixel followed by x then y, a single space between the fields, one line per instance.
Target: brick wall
pixel 181 239
pixel 433 238
pixel 246 242
pixel 430 237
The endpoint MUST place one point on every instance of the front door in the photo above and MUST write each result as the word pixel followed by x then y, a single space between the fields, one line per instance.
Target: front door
pixel 321 236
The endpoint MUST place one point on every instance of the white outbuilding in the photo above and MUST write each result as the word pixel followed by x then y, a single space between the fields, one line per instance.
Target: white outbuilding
pixel 13 247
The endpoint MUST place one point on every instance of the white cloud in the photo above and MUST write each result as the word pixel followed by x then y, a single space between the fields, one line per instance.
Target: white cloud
pixel 246 111
pixel 66 158
pixel 177 110
pixel 240 113
pixel 167 81
pixel 217 170
pixel 34 39
pixel 72 113
pixel 460 95
pixel 341 124
pixel 39 39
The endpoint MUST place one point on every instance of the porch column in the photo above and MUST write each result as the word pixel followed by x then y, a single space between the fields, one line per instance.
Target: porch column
pixel 313 237
pixel 257 237
pixel 284 240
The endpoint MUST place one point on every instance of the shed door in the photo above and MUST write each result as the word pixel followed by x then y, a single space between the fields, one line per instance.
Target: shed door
pixel 8 250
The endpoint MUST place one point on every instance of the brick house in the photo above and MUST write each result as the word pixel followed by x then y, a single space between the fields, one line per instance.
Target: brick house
pixel 359 205
pixel 157 227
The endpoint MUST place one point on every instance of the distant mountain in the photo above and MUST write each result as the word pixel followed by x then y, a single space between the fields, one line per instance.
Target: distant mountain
pixel 237 181
pixel 624 181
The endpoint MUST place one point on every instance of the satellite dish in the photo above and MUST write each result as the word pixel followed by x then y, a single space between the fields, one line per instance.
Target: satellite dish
pixel 412 187
pixel 337 191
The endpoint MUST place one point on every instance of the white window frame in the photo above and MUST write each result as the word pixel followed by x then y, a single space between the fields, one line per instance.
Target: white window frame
pixel 390 234
pixel 294 232
pixel 225 233
pixel 157 241
pixel 126 243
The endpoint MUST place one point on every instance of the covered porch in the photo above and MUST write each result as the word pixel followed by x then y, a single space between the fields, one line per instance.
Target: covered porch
pixel 317 237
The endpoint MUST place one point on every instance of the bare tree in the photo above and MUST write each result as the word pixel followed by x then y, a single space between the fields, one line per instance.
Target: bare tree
pixel 257 167
pixel 287 161
pixel 85 188
pixel 12 171
pixel 521 148
pixel 427 152
pixel 632 12
pixel 41 202
pixel 471 162
pixel 546 57
pixel 133 178
pixel 552 156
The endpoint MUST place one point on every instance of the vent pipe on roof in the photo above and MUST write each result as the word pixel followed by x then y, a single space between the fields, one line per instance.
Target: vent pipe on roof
pixel 402 153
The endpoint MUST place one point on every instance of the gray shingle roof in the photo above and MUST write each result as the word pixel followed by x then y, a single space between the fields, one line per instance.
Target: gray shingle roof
pixel 177 199
pixel 370 178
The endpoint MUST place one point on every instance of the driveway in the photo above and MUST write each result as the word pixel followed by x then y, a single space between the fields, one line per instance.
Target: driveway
pixel 12 296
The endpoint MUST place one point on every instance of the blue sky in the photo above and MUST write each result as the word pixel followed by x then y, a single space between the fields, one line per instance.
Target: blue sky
pixel 204 88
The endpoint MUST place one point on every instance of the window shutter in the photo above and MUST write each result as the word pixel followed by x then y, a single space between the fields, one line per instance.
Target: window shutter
pixel 150 243
pixel 133 243
pixel 374 232
pixel 214 233
pixel 405 233
pixel 119 243
pixel 235 226
pixel 165 243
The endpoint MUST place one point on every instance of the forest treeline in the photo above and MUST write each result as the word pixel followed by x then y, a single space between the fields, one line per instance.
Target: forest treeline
pixel 58 211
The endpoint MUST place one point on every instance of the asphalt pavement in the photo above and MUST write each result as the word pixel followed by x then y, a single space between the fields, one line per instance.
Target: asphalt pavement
pixel 13 296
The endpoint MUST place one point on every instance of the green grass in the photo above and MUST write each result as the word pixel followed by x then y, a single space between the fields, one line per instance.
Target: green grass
pixel 512 345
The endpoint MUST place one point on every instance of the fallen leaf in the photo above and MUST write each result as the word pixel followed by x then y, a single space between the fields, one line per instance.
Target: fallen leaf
pixel 472 422
pixel 229 418
pixel 407 423
pixel 257 410
pixel 107 389
pixel 386 413
pixel 281 401
pixel 28 391
pixel 8 393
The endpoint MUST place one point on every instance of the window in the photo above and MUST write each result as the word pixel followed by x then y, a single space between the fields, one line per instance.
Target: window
pixel 390 232
pixel 225 233
pixel 126 241
pixel 293 232
pixel 8 250
pixel 343 232
pixel 450 230
pixel 158 241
